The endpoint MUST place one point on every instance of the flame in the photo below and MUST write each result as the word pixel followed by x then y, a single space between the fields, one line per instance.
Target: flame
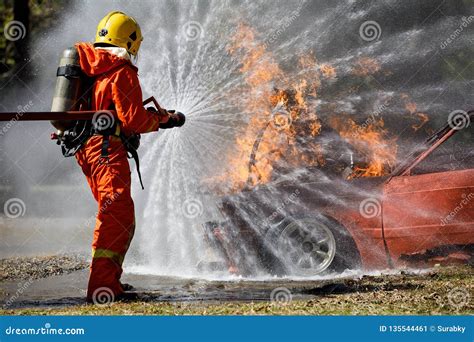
pixel 423 120
pixel 365 66
pixel 282 121
pixel 328 71
pixel 372 141
pixel 412 108
pixel 278 109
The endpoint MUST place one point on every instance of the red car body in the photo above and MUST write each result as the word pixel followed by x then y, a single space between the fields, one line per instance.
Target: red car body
pixel 417 214
pixel 408 218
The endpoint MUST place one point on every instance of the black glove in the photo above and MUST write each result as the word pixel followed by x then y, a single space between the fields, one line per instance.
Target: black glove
pixel 176 119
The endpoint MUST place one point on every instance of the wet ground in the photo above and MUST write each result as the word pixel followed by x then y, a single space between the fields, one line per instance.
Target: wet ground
pixel 36 272
pixel 62 280
pixel 45 272
pixel 41 286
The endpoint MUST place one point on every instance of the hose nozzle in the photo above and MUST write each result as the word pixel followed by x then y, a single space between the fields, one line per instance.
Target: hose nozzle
pixel 176 119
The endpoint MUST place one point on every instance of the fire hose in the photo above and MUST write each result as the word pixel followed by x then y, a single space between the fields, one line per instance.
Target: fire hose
pixel 177 119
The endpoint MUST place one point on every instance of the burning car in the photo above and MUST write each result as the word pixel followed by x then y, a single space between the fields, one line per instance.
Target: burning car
pixel 309 222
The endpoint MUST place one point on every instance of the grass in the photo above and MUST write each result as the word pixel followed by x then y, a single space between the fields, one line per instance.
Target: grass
pixel 442 291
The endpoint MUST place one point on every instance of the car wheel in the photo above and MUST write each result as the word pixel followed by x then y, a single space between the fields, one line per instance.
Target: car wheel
pixel 311 246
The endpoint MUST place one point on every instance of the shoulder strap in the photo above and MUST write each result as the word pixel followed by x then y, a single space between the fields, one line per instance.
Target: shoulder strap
pixel 131 144
pixel 135 157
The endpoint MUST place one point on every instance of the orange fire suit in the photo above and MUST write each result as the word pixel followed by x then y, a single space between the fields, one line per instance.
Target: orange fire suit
pixel 116 87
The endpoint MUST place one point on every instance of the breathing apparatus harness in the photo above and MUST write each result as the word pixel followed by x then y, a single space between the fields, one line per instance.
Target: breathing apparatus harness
pixel 78 133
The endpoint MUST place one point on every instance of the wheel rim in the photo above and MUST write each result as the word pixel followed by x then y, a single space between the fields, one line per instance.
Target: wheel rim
pixel 306 247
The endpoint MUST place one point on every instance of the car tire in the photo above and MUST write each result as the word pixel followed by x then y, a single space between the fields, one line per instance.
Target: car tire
pixel 309 246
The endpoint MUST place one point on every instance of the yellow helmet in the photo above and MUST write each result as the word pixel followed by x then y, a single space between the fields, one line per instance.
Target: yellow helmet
pixel 119 29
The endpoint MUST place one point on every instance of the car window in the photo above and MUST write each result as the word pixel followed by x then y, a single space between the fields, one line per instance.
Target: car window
pixel 455 154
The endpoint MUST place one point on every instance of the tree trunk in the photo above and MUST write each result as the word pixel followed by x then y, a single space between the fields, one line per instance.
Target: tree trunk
pixel 21 13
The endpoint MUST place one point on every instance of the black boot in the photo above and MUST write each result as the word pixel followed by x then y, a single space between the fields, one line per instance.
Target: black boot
pixel 127 297
pixel 127 287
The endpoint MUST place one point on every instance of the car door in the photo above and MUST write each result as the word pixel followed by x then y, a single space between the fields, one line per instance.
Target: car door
pixel 434 205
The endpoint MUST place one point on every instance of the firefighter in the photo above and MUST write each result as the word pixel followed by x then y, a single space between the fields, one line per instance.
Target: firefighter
pixel 103 157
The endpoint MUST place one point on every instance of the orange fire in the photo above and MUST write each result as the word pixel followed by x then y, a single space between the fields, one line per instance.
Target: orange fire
pixel 365 66
pixel 412 108
pixel 281 109
pixel 371 140
pixel 328 71
pixel 278 109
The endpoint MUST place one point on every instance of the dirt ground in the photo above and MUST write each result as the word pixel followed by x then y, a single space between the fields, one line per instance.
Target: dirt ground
pixel 23 268
pixel 441 290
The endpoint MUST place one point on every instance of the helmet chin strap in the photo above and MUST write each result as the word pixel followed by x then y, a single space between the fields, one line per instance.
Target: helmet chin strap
pixel 134 59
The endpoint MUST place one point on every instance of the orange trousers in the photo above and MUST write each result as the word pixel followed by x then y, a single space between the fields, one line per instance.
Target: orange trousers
pixel 115 222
